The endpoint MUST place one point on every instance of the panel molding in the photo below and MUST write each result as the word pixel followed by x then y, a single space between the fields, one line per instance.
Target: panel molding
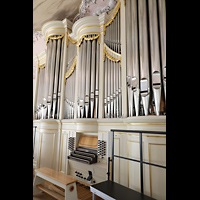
pixel 52 147
pixel 150 172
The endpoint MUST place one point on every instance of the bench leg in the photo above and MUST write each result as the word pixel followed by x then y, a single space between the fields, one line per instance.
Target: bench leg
pixel 71 192
pixel 93 196
pixel 37 180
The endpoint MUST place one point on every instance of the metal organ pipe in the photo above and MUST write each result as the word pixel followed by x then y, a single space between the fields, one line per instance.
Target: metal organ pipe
pixel 162 21
pixel 142 40
pixel 55 89
pixel 49 100
pixel 97 79
pixel 135 58
pixel 49 80
pixel 59 81
pixel 92 78
pixel 145 66
pixel 80 79
pixel 70 82
pixel 144 58
pixel 88 88
pixel 82 84
pixel 112 93
pixel 155 54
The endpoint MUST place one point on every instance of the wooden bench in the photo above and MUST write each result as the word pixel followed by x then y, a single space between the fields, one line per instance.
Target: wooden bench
pixel 109 190
pixel 62 180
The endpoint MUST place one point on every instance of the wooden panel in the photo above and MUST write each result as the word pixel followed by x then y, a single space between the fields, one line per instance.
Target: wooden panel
pixel 133 167
pixel 88 141
pixel 63 152
pixel 157 155
pixel 117 160
pixel 47 143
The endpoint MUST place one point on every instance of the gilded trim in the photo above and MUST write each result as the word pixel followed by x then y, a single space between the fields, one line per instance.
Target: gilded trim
pixel 42 66
pixel 72 41
pixel 105 52
pixel 98 35
pixel 90 26
pixel 118 6
pixel 71 69
pixel 54 37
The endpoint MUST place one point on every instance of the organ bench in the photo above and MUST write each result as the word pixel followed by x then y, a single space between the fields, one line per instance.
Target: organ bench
pixel 62 180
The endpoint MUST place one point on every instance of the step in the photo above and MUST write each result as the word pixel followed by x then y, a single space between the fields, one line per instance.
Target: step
pixel 50 192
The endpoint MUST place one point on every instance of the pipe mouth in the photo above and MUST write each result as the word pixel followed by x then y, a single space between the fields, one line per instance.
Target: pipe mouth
pixel 144 89
pixel 156 80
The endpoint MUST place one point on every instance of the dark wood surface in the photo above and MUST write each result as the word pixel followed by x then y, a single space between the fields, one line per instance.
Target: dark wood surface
pixel 119 192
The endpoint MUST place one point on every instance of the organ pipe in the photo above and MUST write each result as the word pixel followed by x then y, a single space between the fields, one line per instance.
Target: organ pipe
pixel 49 80
pixel 144 37
pixel 89 72
pixel 112 95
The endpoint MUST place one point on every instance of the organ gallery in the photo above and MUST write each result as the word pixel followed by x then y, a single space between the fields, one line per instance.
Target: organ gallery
pixel 99 107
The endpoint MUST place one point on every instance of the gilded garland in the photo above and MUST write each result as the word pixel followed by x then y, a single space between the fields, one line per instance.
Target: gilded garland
pixel 71 69
pixel 106 53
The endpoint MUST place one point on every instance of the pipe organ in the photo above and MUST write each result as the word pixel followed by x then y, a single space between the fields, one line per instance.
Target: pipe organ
pixel 100 73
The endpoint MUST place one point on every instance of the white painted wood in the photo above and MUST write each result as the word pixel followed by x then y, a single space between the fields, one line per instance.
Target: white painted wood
pixel 100 194
pixel 37 181
pixel 69 195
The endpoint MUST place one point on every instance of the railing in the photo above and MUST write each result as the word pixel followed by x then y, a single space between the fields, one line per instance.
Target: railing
pixel 134 160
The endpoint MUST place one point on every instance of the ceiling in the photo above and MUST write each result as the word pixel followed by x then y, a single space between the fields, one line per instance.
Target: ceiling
pixel 48 10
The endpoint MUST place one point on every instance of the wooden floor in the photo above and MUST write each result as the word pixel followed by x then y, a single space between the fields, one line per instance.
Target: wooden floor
pixel 83 192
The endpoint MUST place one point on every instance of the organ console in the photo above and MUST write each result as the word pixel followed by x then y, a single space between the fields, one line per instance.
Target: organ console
pixel 96 70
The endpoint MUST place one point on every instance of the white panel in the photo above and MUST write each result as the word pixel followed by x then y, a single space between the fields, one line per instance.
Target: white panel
pixel 157 155
pixel 116 160
pixel 109 144
pixel 47 150
pixel 64 152
pixel 134 167
pixel 36 149
pixel 158 183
